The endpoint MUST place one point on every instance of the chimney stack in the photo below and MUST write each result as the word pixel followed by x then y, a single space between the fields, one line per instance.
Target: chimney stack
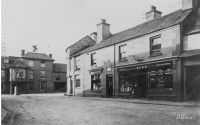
pixel 103 31
pixel 50 55
pixel 94 36
pixel 22 52
pixel 190 4
pixel 153 14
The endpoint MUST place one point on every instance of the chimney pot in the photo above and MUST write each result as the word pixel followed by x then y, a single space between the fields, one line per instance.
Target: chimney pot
pixel 22 52
pixel 153 8
pixel 50 55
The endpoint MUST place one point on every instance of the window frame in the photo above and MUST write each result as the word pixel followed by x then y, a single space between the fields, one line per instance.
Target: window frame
pixel 42 76
pixel 96 82
pixel 93 59
pixel 42 64
pixel 122 52
pixel 77 79
pixel 77 62
pixel 159 45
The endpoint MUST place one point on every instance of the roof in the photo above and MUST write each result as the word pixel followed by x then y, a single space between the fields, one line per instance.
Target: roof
pixel 193 23
pixel 59 67
pixel 40 56
pixel 19 64
pixel 81 44
pixel 12 61
pixel 142 29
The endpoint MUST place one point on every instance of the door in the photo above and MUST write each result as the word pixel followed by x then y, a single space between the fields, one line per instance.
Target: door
pixel 109 85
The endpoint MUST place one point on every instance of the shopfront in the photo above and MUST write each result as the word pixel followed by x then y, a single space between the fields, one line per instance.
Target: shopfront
pixel 147 80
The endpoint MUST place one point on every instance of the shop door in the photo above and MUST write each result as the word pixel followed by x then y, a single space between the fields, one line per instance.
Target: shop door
pixel 192 83
pixel 109 85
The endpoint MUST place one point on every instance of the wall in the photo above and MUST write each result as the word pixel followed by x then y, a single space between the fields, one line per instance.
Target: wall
pixel 36 75
pixel 191 42
pixel 102 57
pixel 140 47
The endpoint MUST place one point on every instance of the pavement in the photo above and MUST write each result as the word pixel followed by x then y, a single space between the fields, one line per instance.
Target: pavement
pixel 4 112
pixel 139 101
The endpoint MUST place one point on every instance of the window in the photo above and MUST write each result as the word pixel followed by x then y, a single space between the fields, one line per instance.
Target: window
pixel 31 63
pixel 155 43
pixel 30 85
pixel 78 84
pixel 57 76
pixel 78 63
pixel 96 82
pixel 161 78
pixel 93 59
pixel 42 74
pixel 122 52
pixel 42 64
pixel 42 86
pixel 30 75
pixel 19 73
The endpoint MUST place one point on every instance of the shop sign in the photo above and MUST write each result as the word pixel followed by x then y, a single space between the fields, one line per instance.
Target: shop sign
pixel 142 67
pixel 152 73
pixel 163 64
pixel 168 71
pixel 109 69
pixel 160 72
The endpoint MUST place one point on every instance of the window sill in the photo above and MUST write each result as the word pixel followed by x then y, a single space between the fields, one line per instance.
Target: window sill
pixel 156 54
pixel 123 60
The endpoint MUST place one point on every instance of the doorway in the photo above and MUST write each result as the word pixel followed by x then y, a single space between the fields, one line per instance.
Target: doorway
pixel 109 85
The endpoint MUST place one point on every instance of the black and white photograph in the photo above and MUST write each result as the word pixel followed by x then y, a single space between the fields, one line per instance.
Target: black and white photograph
pixel 100 62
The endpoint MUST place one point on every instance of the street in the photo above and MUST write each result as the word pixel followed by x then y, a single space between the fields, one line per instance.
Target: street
pixel 64 110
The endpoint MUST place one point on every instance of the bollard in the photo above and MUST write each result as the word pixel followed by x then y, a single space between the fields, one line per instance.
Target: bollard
pixel 15 90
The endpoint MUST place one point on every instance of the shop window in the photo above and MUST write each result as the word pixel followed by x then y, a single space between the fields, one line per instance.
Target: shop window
pixel 30 75
pixel 19 73
pixel 155 45
pixel 96 82
pixel 30 85
pixel 42 64
pixel 42 74
pixel 78 65
pixel 42 86
pixel 57 76
pixel 93 59
pixel 122 52
pixel 128 82
pixel 31 63
pixel 78 84
pixel 161 78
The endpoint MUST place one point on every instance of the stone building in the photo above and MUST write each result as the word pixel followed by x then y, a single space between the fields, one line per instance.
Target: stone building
pixel 158 59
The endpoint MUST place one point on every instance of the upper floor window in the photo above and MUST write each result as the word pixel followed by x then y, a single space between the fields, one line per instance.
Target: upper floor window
pixel 155 44
pixel 122 52
pixel 57 76
pixel 30 75
pixel 42 74
pixel 19 73
pixel 42 64
pixel 78 63
pixel 31 63
pixel 93 59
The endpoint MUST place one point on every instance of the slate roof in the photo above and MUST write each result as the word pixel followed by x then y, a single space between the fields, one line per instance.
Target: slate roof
pixel 59 68
pixel 17 63
pixel 193 23
pixel 81 44
pixel 142 29
pixel 40 56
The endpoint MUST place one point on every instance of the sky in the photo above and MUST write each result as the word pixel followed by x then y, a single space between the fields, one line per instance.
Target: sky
pixel 53 25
